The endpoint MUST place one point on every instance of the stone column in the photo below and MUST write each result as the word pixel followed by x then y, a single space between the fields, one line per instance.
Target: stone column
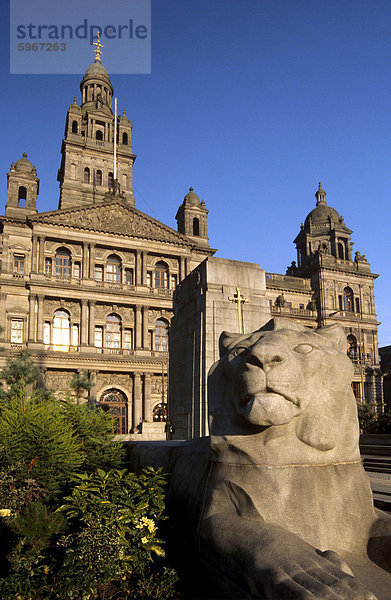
pixel 137 327
pixel 92 261
pixel 32 318
pixel 144 268
pixel 85 261
pixel 147 398
pixel 138 268
pixel 186 266
pixel 41 266
pixel 34 254
pixel 40 320
pixel 91 340
pixel 182 268
pixel 84 324
pixel 145 326
pixel 137 403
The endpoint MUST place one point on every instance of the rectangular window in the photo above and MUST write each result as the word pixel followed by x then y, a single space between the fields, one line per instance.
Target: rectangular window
pixel 357 301
pixel 173 282
pixel 150 340
pixel 288 304
pixel 356 389
pixel 16 331
pixel 301 306
pixel 46 335
pixel 149 279
pixel 76 270
pixel 48 267
pixel 127 339
pixel 340 303
pixel 99 338
pixel 75 335
pixel 129 276
pixel 18 264
pixel 98 272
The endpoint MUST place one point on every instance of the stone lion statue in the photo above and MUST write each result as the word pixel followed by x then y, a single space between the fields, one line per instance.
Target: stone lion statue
pixel 277 497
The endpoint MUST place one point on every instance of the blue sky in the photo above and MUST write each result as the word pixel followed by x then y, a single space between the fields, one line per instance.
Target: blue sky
pixel 251 102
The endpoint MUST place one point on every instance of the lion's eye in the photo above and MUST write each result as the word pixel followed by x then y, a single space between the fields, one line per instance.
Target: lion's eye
pixel 303 348
pixel 239 351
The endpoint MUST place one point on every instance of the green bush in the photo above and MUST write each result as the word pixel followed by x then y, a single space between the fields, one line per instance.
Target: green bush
pixel 73 524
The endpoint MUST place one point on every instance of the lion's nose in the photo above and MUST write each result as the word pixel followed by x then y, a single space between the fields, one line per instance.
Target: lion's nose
pixel 265 355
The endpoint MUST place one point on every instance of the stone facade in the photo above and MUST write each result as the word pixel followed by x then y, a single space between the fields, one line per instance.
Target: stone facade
pixel 205 304
pixel 325 286
pixel 385 362
pixel 89 287
pixel 328 285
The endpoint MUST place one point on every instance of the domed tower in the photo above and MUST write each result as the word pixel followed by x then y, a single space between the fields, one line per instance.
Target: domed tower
pixel 324 231
pixel 86 173
pixel 192 218
pixel 23 189
pixel 343 291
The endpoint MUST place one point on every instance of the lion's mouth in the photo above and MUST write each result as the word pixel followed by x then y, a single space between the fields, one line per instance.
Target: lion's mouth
pixel 249 397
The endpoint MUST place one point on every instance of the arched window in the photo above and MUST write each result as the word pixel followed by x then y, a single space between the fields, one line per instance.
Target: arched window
pixel 22 196
pixel 73 171
pixel 341 250
pixel 99 135
pixel 161 275
pixel 98 177
pixel 63 263
pixel 160 412
pixel 196 226
pixel 115 403
pixel 61 331
pixel 124 181
pixel 113 269
pixel 74 127
pixel 161 335
pixel 348 300
pixel 113 332
pixel 352 346
pixel 125 139
pixel 110 180
pixel 86 175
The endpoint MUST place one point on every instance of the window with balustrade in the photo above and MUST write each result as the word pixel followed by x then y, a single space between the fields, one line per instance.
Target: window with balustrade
pixel 161 275
pixel 161 335
pixel 61 331
pixel 63 263
pixel 16 331
pixel 19 260
pixel 113 332
pixel 113 269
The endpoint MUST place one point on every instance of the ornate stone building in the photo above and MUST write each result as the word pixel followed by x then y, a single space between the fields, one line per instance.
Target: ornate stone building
pixel 88 287
pixel 328 285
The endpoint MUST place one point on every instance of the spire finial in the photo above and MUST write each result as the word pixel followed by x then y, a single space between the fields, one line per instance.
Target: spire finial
pixel 191 189
pixel 98 45
pixel 320 195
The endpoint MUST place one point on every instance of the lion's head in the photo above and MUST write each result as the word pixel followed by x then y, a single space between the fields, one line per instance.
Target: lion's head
pixel 284 373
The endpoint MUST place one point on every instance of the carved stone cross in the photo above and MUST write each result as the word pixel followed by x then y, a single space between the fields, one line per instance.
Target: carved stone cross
pixel 239 300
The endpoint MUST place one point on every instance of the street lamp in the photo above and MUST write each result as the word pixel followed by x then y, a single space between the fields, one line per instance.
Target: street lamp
pixel 360 354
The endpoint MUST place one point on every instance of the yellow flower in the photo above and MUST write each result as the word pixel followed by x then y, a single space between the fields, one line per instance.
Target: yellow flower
pixel 159 551
pixel 5 512
pixel 144 540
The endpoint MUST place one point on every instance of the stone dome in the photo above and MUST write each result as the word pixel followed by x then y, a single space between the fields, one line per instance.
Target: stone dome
pixel 191 198
pixel 322 213
pixel 23 164
pixel 96 71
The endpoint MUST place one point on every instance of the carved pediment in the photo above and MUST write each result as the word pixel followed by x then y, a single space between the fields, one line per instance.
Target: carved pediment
pixel 116 218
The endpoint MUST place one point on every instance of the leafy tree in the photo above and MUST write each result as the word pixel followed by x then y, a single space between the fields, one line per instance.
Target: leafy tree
pixel 18 373
pixel 367 418
pixel 80 383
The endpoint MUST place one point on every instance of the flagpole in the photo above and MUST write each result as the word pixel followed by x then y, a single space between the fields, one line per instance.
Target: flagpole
pixel 115 139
